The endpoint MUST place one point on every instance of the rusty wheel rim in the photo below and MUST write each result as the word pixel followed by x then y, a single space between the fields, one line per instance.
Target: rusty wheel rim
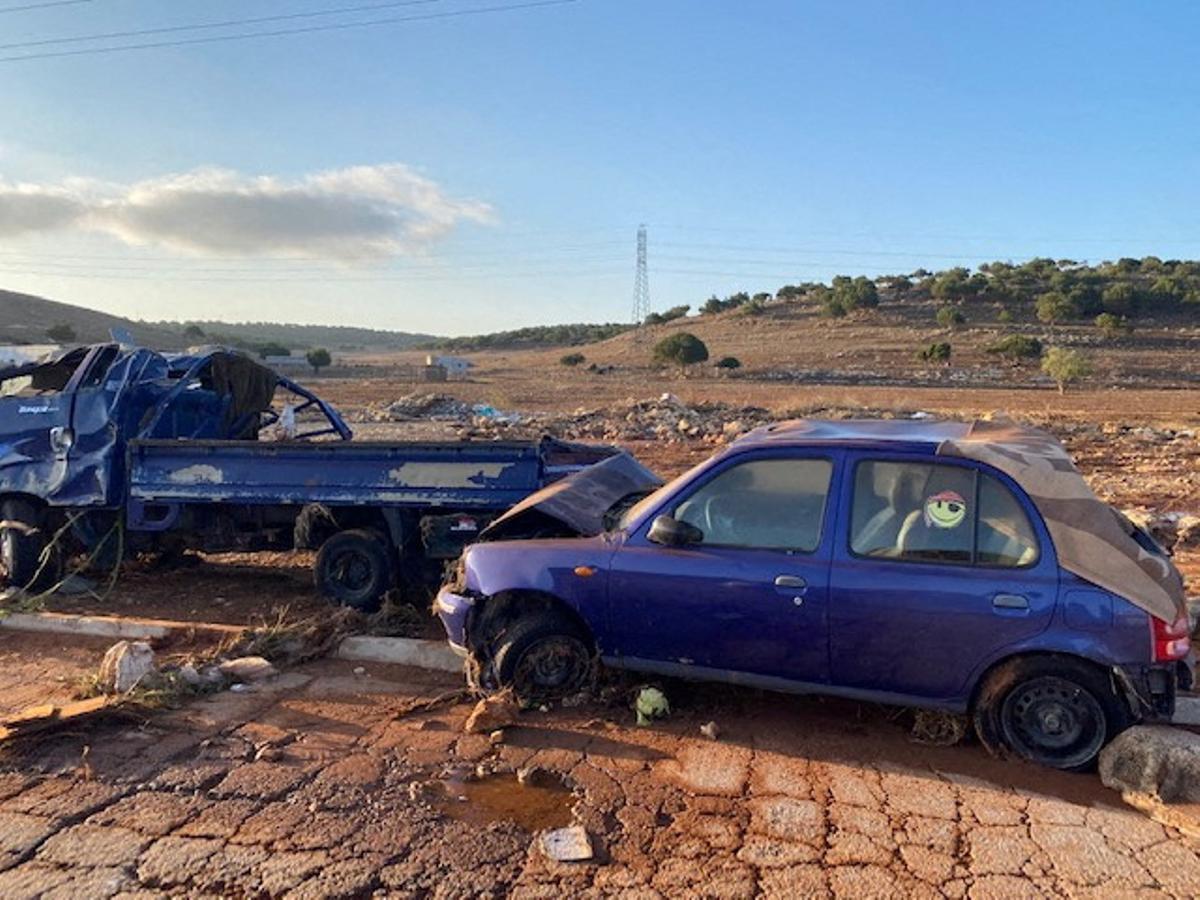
pixel 555 666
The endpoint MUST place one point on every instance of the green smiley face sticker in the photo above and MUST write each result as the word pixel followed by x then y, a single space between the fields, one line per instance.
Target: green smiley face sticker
pixel 945 510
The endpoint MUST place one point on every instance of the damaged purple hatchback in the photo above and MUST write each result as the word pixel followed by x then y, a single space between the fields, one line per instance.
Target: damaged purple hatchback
pixel 941 565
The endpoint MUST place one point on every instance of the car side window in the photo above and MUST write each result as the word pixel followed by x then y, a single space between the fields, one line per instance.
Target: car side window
pixel 768 504
pixel 927 512
pixel 1005 536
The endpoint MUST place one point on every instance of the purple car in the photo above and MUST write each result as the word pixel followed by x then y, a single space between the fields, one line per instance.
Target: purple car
pixel 941 565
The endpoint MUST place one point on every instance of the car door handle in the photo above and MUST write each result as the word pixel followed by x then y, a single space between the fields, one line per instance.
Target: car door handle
pixel 790 581
pixel 1010 601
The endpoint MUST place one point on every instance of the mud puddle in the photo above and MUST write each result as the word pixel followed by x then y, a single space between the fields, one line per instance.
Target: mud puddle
pixel 545 803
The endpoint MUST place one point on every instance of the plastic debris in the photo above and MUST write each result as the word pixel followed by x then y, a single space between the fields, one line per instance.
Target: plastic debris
pixel 711 730
pixel 651 704
pixel 247 668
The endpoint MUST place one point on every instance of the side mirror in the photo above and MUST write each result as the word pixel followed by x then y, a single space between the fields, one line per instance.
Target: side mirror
pixel 671 532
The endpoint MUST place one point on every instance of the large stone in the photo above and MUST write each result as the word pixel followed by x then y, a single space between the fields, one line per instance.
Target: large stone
pixel 126 665
pixel 1154 759
pixel 247 668
pixel 492 713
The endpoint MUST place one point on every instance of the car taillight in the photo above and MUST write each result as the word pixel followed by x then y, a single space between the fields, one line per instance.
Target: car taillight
pixel 1171 640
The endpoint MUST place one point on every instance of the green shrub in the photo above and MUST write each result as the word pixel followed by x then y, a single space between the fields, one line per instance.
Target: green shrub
pixel 1016 347
pixel 939 351
pixel 950 317
pixel 729 362
pixel 682 349
pixel 1112 326
pixel 572 359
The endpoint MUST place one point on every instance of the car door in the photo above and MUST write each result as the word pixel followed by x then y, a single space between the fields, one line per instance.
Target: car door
pixel 750 596
pixel 940 565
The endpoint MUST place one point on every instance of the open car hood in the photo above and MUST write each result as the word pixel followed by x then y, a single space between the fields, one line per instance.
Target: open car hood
pixel 577 504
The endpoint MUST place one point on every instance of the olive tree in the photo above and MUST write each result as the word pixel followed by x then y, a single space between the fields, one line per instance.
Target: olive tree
pixel 1065 366
pixel 682 349
pixel 318 358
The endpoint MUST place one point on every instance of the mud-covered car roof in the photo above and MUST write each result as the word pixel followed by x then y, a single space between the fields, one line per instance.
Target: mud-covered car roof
pixel 927 434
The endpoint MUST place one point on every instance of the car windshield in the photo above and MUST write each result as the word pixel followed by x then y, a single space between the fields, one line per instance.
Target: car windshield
pixel 637 510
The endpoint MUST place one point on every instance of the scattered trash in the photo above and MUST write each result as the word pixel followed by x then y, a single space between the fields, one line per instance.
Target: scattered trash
pixel 941 729
pixel 239 688
pixel 711 730
pixel 492 713
pixel 247 668
pixel 651 704
pixel 126 664
pixel 360 671
pixel 571 844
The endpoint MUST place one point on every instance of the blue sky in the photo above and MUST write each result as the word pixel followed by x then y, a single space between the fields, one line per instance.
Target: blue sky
pixel 493 168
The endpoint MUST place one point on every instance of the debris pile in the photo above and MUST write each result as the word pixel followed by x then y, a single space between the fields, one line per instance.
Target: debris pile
pixel 424 406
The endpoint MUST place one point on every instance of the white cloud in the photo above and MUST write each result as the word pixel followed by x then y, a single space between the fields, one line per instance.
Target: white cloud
pixel 359 213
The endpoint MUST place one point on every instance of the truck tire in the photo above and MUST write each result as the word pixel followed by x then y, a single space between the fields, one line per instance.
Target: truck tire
pixel 1052 710
pixel 20 543
pixel 544 656
pixel 354 568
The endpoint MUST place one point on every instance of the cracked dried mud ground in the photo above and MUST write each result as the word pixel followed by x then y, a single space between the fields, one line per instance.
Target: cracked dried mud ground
pixel 322 786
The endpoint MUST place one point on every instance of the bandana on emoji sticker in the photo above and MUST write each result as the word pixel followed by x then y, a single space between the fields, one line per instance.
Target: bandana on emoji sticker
pixel 945 510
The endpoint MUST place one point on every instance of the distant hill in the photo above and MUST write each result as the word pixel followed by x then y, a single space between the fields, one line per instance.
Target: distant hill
pixel 533 337
pixel 300 337
pixel 25 319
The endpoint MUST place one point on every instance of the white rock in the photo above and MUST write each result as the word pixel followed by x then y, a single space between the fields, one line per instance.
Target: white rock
pixel 247 668
pixel 125 665
pixel 570 844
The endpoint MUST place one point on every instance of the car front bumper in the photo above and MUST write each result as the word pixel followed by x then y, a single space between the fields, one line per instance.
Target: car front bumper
pixel 454 608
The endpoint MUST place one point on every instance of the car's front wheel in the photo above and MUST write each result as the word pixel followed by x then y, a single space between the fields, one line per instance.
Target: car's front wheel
pixel 544 656
pixel 1054 711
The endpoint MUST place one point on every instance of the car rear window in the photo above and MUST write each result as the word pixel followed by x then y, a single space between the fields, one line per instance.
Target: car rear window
pixel 926 512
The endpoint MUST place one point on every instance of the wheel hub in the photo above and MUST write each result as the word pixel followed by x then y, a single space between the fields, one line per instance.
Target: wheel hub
pixel 1052 720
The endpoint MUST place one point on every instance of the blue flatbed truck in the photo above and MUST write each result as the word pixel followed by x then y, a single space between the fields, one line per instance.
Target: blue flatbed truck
pixel 109 446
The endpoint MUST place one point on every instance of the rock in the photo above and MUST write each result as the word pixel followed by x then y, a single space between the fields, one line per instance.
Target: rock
pixel 188 674
pixel 492 713
pixel 711 730
pixel 247 668
pixel 496 738
pixel 360 671
pixel 126 665
pixel 1157 760
pixel 570 844
pixel 536 776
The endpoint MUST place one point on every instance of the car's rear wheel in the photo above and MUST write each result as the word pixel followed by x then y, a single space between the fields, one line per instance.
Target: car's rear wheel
pixel 20 544
pixel 544 656
pixel 1054 711
pixel 354 568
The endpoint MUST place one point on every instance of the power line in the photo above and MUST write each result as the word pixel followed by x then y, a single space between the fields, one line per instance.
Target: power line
pixel 198 26
pixel 28 6
pixel 308 29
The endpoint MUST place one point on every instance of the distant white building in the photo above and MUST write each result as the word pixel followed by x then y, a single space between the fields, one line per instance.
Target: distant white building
pixel 454 365
pixel 285 362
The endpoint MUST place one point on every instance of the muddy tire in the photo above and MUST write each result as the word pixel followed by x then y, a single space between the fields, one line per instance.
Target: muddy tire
pixel 544 656
pixel 354 569
pixel 21 544
pixel 1051 710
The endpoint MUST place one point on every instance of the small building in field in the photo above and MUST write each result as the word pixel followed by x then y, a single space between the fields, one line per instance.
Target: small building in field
pixel 296 361
pixel 455 366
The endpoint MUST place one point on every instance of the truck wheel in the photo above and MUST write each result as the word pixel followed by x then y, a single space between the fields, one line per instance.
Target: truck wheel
pixel 354 568
pixel 1054 711
pixel 543 656
pixel 20 543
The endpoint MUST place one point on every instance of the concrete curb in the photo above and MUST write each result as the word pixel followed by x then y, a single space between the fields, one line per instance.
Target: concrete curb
pixel 112 626
pixel 435 655
pixel 1187 710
